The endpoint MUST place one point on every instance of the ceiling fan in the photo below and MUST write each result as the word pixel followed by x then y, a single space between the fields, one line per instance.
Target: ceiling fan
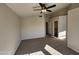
pixel 44 8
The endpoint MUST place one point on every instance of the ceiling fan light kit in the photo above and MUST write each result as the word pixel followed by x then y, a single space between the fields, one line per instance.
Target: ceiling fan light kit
pixel 44 10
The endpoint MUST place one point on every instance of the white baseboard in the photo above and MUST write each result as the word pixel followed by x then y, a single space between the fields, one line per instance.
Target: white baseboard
pixel 33 38
pixel 7 53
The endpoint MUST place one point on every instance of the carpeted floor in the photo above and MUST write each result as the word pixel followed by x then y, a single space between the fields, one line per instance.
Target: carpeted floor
pixel 38 46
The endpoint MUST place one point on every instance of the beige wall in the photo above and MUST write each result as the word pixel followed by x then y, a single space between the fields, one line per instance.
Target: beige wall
pixel 33 27
pixel 73 29
pixel 62 23
pixel 50 27
pixel 9 30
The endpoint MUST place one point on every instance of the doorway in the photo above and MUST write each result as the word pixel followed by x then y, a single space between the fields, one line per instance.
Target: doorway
pixel 56 28
pixel 46 28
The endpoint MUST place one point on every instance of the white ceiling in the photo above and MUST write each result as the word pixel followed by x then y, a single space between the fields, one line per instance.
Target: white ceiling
pixel 26 9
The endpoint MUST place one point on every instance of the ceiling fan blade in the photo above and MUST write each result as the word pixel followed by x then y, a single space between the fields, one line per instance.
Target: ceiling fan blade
pixel 37 9
pixel 51 6
pixel 44 6
pixel 49 10
pixel 41 4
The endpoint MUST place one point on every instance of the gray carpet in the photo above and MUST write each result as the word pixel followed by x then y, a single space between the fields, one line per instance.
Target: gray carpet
pixel 34 45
